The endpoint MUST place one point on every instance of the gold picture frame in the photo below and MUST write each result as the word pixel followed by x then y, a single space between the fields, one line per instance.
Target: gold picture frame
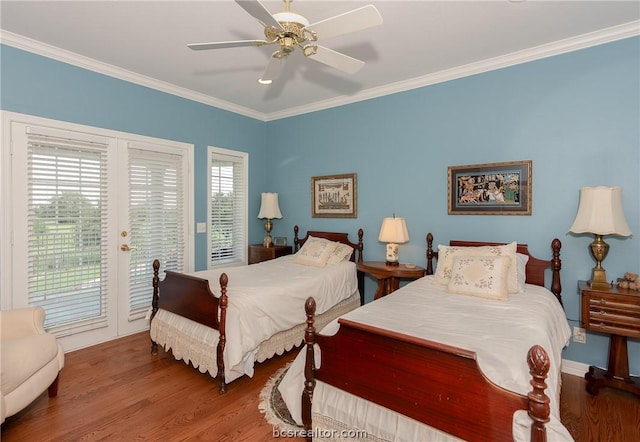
pixel 334 196
pixel 490 189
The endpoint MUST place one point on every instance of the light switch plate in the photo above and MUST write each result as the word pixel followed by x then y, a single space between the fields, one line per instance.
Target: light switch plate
pixel 201 228
pixel 579 335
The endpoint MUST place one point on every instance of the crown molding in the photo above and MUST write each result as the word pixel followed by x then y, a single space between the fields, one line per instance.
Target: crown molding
pixel 559 47
pixel 55 53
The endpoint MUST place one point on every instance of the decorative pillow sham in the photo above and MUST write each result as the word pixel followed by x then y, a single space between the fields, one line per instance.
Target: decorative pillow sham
pixel 315 252
pixel 481 276
pixel 342 252
pixel 446 254
pixel 521 270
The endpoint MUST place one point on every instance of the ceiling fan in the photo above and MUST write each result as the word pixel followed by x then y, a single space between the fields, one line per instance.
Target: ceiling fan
pixel 289 30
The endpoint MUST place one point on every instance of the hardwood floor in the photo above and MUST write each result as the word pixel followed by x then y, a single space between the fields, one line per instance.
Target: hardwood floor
pixel 119 391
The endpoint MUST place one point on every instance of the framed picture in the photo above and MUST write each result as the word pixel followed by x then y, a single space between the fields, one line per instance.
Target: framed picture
pixel 334 196
pixel 279 240
pixel 490 189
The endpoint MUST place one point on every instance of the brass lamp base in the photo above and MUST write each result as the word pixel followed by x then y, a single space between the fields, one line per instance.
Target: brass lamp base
pixel 599 251
pixel 599 280
pixel 267 241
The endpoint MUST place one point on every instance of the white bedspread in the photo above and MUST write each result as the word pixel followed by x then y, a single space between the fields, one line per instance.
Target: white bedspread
pixel 500 332
pixel 265 299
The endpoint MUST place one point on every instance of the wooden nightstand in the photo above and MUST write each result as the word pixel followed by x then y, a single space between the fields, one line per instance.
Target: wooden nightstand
pixel 617 313
pixel 389 276
pixel 259 253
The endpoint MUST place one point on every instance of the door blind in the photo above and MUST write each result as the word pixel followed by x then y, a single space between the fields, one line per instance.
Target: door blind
pixel 156 221
pixel 228 209
pixel 67 209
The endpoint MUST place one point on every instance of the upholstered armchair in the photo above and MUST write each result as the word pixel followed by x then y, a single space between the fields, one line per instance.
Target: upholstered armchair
pixel 31 359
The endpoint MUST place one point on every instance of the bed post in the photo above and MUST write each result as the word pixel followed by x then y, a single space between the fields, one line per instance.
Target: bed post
pixel 360 245
pixel 309 368
pixel 360 258
pixel 154 301
pixel 430 254
pixel 556 265
pixel 539 408
pixel 224 280
pixel 296 243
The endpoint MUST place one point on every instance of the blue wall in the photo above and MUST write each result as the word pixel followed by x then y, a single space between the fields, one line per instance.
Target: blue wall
pixel 576 116
pixel 35 85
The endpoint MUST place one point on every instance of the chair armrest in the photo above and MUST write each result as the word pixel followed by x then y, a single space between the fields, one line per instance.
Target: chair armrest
pixel 22 322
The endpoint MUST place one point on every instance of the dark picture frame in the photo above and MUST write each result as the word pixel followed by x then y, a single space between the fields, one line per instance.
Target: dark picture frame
pixel 490 189
pixel 279 240
pixel 334 196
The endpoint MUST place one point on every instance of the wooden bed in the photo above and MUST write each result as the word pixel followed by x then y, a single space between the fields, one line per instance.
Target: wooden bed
pixel 191 297
pixel 421 379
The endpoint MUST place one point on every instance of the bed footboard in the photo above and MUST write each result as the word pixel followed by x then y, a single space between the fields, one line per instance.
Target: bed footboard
pixel 439 385
pixel 192 298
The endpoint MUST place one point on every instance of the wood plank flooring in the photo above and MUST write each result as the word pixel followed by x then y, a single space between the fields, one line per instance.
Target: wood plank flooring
pixel 118 391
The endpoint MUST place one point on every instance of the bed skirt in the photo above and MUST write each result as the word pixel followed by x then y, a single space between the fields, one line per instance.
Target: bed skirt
pixel 374 423
pixel 286 340
pixel 195 343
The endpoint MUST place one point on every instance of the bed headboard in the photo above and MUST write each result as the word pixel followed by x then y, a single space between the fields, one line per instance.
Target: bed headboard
pixel 356 255
pixel 343 238
pixel 535 269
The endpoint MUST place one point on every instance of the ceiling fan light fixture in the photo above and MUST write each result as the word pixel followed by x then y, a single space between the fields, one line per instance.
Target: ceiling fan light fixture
pixel 280 54
pixel 291 17
pixel 310 50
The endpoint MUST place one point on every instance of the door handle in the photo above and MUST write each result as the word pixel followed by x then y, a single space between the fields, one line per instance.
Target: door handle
pixel 126 248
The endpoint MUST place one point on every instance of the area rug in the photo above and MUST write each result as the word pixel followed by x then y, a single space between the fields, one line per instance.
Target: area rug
pixel 271 404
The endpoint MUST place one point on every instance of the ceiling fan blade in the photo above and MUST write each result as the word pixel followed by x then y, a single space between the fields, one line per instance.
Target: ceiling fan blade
pixel 355 20
pixel 337 60
pixel 226 44
pixel 258 11
pixel 274 69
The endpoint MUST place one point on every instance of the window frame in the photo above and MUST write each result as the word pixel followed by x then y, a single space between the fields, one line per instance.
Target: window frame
pixel 243 159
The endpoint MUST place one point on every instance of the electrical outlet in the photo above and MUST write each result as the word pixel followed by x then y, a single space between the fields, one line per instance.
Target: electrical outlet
pixel 579 335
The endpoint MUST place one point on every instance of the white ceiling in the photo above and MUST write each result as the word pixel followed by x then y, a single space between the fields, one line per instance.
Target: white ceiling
pixel 419 43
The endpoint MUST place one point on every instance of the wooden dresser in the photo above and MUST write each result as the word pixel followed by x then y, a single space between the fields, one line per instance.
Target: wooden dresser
pixel 259 253
pixel 615 312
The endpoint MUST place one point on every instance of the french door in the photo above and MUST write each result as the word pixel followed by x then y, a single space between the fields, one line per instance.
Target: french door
pixel 91 210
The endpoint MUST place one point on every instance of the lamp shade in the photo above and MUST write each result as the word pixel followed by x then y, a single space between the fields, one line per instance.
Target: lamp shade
pixel 600 212
pixel 393 230
pixel 269 207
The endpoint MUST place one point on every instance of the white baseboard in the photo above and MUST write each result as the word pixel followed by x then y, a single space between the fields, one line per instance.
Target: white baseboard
pixel 574 368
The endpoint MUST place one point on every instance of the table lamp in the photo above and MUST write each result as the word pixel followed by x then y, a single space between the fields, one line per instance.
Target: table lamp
pixel 269 209
pixel 600 213
pixel 393 231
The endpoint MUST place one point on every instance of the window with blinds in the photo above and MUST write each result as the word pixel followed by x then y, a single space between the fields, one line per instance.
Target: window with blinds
pixel 156 221
pixel 67 199
pixel 227 206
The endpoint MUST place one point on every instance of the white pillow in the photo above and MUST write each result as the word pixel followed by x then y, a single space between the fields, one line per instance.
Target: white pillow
pixel 446 254
pixel 482 276
pixel 342 252
pixel 315 252
pixel 521 268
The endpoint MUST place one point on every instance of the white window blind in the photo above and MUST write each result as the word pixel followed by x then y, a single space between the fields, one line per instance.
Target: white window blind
pixel 67 201
pixel 156 214
pixel 228 208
